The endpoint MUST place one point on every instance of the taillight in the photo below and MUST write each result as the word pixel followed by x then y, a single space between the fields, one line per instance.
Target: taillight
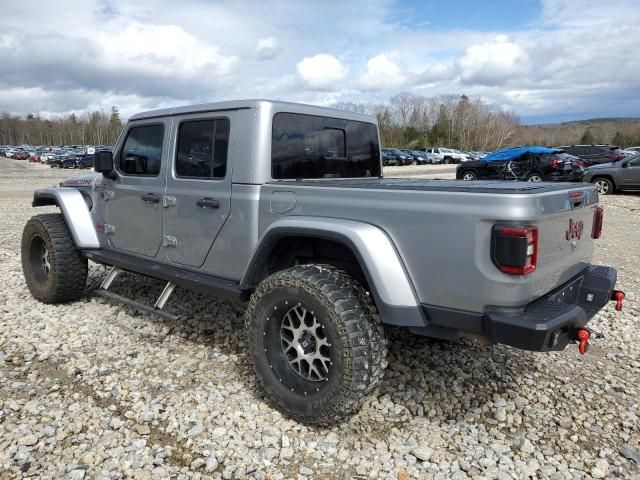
pixel 514 250
pixel 598 217
pixel 615 157
pixel 555 162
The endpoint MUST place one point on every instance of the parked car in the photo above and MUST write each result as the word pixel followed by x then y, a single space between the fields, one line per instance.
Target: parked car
pixel 446 155
pixel 627 152
pixel 401 158
pixel 59 156
pixel 85 161
pixel 418 157
pixel 322 250
pixel 634 149
pixel 20 155
pixel 46 157
pixel 389 159
pixel 531 164
pixel 595 153
pixel 610 177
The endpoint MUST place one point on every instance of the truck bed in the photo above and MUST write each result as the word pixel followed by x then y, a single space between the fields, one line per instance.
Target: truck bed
pixel 442 230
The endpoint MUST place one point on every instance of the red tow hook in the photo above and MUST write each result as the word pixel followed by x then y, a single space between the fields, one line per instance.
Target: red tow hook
pixel 618 296
pixel 583 335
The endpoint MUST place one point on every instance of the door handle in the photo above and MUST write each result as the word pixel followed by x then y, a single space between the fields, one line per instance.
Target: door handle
pixel 208 203
pixel 151 197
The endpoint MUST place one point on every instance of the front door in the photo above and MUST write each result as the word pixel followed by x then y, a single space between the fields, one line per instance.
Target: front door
pixel 198 193
pixel 134 201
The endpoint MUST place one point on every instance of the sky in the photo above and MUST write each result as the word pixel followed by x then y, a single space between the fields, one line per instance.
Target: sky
pixel 545 60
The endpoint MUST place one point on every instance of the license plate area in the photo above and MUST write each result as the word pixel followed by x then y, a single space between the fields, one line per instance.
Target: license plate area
pixel 569 293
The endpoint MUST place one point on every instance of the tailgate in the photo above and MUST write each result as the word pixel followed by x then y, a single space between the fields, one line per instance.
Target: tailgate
pixel 565 243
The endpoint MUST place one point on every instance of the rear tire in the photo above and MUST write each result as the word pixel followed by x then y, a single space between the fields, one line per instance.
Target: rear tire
pixel 53 268
pixel 316 343
pixel 604 186
pixel 534 177
pixel 447 160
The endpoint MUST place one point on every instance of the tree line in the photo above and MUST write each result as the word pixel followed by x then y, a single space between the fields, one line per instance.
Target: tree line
pixel 415 121
pixel 94 127
pixel 406 120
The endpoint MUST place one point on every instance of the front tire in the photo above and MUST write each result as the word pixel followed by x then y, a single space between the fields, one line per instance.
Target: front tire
pixel 53 268
pixel 316 343
pixel 604 186
pixel 469 175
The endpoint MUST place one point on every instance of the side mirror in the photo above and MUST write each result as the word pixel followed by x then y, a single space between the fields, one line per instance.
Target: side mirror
pixel 103 163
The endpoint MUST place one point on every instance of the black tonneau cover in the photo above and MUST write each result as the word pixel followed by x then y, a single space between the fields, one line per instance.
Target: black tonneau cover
pixel 487 186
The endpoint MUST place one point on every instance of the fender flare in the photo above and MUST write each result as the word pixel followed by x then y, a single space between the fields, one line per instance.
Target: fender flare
pixel 75 212
pixel 382 266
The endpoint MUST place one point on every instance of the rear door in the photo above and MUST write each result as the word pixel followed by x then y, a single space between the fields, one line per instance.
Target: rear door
pixel 631 173
pixel 198 193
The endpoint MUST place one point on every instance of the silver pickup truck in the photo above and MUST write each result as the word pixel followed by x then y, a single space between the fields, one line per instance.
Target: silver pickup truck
pixel 284 206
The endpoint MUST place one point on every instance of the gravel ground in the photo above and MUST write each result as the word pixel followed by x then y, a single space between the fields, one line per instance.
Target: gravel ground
pixel 95 390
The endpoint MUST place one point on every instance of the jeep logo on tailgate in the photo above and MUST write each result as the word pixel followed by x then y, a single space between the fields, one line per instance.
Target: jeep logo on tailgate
pixel 575 229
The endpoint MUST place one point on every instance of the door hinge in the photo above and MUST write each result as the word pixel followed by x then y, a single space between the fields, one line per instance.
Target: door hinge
pixel 108 195
pixel 170 241
pixel 168 201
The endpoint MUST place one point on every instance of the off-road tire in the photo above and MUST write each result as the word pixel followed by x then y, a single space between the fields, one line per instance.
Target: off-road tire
pixel 351 324
pixel 67 276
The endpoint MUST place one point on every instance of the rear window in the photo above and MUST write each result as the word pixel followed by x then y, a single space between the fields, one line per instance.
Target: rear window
pixel 308 146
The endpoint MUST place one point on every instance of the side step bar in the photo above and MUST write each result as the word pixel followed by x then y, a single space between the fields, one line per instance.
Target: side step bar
pixel 182 277
pixel 137 305
pixel 157 309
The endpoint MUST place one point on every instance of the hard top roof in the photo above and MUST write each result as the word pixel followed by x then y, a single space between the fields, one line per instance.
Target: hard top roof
pixel 252 103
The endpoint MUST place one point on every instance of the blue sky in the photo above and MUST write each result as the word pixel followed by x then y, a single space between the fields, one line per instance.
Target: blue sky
pixel 445 15
pixel 545 60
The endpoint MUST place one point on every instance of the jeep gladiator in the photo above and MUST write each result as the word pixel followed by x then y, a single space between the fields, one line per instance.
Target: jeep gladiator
pixel 284 207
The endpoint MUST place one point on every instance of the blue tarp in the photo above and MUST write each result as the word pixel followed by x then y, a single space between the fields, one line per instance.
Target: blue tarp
pixel 515 152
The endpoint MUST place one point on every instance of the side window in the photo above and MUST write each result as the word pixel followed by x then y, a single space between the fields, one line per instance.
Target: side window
pixel 634 162
pixel 202 149
pixel 142 151
pixel 309 146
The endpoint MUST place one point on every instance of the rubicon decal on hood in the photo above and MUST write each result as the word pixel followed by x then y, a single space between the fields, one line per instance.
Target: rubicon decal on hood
pixel 78 182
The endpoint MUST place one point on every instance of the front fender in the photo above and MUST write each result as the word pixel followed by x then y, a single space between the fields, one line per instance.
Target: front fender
pixel 376 254
pixel 75 211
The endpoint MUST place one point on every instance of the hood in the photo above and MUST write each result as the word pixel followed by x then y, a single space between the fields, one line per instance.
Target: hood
pixel 84 180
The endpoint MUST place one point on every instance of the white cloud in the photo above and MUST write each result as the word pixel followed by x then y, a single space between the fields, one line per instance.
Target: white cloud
pixel 493 62
pixel 577 56
pixel 321 72
pixel 165 50
pixel 267 48
pixel 382 73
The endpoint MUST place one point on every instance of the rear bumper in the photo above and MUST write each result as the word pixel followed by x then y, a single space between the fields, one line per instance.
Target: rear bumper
pixel 550 322
pixel 547 324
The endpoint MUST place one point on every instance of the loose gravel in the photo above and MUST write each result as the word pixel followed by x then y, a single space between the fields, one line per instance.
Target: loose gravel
pixel 95 390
